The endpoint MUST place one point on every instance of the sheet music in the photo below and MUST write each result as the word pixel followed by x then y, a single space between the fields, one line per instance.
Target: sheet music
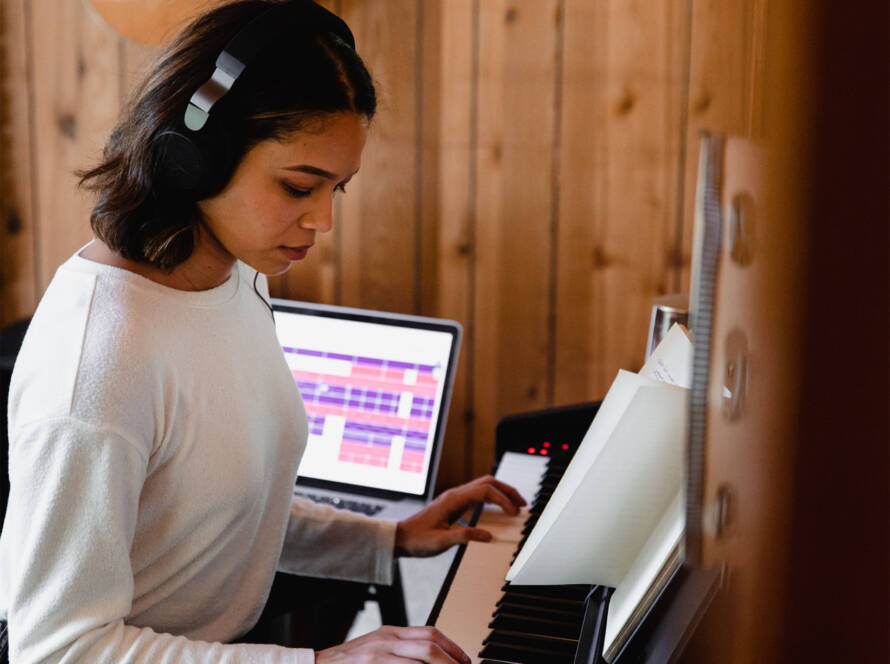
pixel 622 479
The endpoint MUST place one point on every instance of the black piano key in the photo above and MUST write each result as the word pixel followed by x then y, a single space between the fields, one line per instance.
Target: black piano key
pixel 536 625
pixel 521 544
pixel 529 526
pixel 542 497
pixel 577 592
pixel 541 500
pixel 521 656
pixel 526 654
pixel 554 643
pixel 558 602
pixel 543 611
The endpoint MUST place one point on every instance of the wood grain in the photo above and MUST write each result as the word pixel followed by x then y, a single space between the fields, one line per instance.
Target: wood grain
pixel 523 176
pixel 76 71
pixel 379 244
pixel 725 79
pixel 135 59
pixel 18 283
pixel 579 348
pixel 447 209
pixel 517 53
pixel 637 228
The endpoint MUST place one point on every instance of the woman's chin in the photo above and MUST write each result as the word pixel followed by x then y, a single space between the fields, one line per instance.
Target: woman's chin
pixel 269 267
pixel 276 266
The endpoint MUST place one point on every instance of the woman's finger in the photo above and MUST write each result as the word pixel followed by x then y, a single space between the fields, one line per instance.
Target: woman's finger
pixel 422 651
pixel 464 497
pixel 462 535
pixel 509 491
pixel 494 495
pixel 435 636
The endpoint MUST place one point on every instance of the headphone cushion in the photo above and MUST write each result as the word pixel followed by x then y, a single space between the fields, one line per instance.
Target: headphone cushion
pixel 193 163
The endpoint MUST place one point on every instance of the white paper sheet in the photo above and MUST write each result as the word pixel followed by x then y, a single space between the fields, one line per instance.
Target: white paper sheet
pixel 671 361
pixel 645 568
pixel 615 491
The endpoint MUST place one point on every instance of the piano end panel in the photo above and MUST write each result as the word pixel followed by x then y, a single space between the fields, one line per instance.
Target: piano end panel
pixel 466 612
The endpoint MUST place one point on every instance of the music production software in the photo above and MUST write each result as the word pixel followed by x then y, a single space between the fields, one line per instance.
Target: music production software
pixel 372 394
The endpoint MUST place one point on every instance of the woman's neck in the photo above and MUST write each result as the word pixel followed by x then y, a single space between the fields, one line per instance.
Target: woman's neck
pixel 203 270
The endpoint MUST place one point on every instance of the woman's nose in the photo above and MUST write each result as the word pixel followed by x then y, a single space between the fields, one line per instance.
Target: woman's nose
pixel 320 216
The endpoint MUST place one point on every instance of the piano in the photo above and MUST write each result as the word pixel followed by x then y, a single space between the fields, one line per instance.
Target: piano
pixel 499 623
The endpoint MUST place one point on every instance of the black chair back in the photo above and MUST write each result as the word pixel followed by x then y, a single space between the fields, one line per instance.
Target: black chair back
pixel 11 338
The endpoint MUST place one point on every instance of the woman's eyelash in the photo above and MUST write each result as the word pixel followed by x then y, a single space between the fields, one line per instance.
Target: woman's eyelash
pixel 296 193
pixel 302 193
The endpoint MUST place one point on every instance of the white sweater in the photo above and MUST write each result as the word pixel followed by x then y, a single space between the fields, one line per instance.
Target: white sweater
pixel 155 436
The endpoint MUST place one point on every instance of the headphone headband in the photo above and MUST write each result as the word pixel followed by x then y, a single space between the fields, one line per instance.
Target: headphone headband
pixel 303 17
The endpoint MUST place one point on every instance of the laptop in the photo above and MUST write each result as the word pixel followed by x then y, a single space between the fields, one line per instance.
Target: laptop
pixel 376 387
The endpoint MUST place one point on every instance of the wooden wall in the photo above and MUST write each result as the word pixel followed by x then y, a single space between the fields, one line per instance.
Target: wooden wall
pixel 529 174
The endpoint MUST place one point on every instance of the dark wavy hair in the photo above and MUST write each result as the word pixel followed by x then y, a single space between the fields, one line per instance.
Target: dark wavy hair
pixel 284 90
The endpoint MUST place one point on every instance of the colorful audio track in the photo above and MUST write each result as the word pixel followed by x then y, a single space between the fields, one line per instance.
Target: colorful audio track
pixel 379 399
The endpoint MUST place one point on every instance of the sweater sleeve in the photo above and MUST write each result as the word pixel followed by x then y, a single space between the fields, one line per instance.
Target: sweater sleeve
pixel 72 510
pixel 322 541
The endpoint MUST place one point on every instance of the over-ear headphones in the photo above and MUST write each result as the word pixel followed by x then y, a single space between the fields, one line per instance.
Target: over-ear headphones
pixel 196 156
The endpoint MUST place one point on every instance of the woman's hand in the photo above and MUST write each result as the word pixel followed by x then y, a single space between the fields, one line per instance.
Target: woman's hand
pixel 396 645
pixel 432 530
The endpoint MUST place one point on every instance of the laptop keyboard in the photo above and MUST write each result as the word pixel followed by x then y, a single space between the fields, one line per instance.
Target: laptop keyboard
pixel 369 509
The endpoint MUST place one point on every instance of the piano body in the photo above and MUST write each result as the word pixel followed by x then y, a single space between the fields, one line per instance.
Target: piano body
pixel 501 623
pixel 496 622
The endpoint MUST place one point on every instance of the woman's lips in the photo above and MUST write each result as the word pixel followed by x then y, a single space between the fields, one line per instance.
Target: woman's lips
pixel 295 253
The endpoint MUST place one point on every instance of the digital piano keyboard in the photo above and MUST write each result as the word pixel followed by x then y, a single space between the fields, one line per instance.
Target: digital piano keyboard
pixel 499 623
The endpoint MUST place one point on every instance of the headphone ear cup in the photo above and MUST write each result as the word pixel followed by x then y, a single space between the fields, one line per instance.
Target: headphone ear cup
pixel 193 163
pixel 179 161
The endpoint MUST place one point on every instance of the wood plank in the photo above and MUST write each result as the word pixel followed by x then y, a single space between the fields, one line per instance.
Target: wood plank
pixel 136 60
pixel 620 169
pixel 725 78
pixel 516 85
pixel 76 100
pixel 429 108
pixel 579 346
pixel 18 277
pixel 379 254
pixel 447 213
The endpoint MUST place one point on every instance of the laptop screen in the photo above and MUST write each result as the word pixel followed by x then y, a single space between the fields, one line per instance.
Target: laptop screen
pixel 376 388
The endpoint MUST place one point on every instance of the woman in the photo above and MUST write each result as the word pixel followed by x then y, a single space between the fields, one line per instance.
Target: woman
pixel 153 442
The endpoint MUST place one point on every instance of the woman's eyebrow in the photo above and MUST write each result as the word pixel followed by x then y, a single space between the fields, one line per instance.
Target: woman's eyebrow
pixel 312 170
pixel 315 170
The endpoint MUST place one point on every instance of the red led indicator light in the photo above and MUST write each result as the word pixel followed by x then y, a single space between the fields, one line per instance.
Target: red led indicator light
pixel 546 444
pixel 565 446
pixel 544 452
pixel 532 450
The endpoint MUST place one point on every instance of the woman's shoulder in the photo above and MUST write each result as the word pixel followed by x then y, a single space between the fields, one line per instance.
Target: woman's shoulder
pixel 82 346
